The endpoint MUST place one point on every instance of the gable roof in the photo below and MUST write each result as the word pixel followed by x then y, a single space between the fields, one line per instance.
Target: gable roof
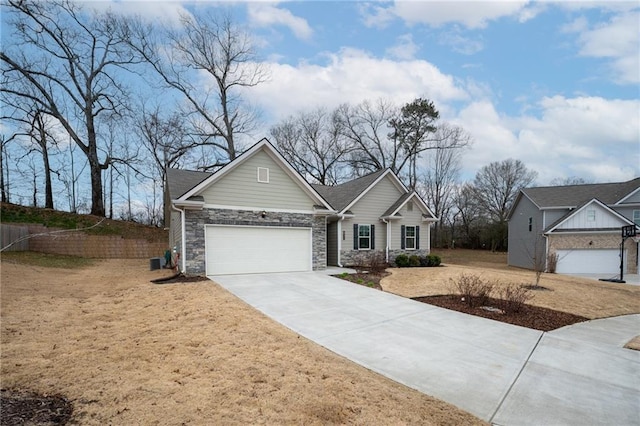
pixel 181 181
pixel 581 207
pixel 404 199
pixel 574 195
pixel 265 146
pixel 342 197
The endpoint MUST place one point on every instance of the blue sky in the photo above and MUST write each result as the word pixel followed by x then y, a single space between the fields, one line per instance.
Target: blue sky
pixel 554 84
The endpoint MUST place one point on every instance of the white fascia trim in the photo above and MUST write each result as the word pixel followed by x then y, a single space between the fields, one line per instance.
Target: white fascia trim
pixel 612 231
pixel 627 196
pixel 383 218
pixel 592 201
pixel 395 181
pixel 293 174
pixel 186 204
pixel 425 208
pixel 257 209
pixel 275 155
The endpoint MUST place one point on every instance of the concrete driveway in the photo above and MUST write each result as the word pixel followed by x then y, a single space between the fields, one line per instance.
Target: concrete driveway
pixel 502 373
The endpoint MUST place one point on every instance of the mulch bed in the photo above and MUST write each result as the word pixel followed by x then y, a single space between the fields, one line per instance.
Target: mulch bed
pixel 371 280
pixel 19 407
pixel 180 279
pixel 534 317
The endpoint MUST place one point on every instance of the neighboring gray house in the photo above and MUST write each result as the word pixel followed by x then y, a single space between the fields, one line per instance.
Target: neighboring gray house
pixel 257 214
pixel 581 224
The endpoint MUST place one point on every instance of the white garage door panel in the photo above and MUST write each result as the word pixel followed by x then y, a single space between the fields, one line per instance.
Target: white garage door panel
pixel 589 261
pixel 251 249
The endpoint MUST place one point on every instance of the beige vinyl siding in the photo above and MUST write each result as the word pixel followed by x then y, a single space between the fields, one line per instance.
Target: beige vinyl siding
pixel 240 187
pixel 368 211
pixel 413 218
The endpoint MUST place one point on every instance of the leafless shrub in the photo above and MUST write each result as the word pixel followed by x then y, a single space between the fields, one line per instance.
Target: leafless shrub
pixel 473 290
pixel 513 297
pixel 373 262
pixel 552 262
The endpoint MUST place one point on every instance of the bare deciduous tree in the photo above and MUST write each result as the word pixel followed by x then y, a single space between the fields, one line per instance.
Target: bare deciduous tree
pixel 314 144
pixel 212 46
pixel 496 186
pixel 441 176
pixel 70 61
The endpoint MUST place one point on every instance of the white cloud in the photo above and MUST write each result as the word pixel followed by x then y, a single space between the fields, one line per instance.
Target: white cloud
pixel 590 137
pixel 352 76
pixel 404 49
pixel 471 14
pixel 166 12
pixel 460 43
pixel 617 40
pixel 268 14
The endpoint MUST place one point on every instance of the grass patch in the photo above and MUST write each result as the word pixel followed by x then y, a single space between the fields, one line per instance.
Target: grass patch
pixel 46 260
pixel 12 213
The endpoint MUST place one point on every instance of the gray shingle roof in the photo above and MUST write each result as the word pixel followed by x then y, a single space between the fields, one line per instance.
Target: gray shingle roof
pixel 575 195
pixel 180 182
pixel 397 204
pixel 340 196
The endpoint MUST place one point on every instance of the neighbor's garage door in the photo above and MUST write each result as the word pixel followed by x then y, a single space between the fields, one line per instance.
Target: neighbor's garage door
pixel 252 249
pixel 603 261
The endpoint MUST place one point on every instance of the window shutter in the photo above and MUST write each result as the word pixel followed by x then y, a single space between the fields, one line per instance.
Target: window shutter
pixel 417 237
pixel 373 237
pixel 355 236
pixel 402 237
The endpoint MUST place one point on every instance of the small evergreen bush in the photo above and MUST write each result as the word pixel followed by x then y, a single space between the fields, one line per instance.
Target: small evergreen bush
pixel 414 261
pixel 402 261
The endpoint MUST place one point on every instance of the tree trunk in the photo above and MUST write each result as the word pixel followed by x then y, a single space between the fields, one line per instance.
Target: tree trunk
pixel 48 198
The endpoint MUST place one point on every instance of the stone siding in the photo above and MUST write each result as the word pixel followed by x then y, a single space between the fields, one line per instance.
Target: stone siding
pixel 596 241
pixel 350 257
pixel 196 220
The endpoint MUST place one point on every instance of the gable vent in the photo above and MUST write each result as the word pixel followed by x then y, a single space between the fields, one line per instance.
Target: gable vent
pixel 263 175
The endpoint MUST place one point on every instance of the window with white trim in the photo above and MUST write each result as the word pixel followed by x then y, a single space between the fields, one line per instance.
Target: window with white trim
pixel 636 217
pixel 364 237
pixel 410 237
pixel 591 215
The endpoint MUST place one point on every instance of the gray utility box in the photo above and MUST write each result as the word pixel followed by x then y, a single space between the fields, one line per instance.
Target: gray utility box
pixel 155 263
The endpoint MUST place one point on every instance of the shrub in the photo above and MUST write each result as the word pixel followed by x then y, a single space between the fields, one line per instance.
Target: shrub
pixel 433 260
pixel 414 261
pixel 424 261
pixel 473 289
pixel 373 262
pixel 513 297
pixel 377 262
pixel 402 261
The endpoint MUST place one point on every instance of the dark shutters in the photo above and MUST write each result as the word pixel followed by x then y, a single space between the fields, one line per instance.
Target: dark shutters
pixel 355 237
pixel 373 237
pixel 402 237
pixel 417 237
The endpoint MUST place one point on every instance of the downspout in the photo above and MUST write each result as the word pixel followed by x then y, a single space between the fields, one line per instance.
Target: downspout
pixel 340 238
pixel 546 252
pixel 386 248
pixel 182 237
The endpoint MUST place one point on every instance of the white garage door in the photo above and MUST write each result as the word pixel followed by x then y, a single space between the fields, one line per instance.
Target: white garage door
pixel 603 261
pixel 253 249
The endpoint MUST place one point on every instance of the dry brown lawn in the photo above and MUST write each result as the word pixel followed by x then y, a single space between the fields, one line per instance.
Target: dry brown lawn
pixel 579 296
pixel 126 351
